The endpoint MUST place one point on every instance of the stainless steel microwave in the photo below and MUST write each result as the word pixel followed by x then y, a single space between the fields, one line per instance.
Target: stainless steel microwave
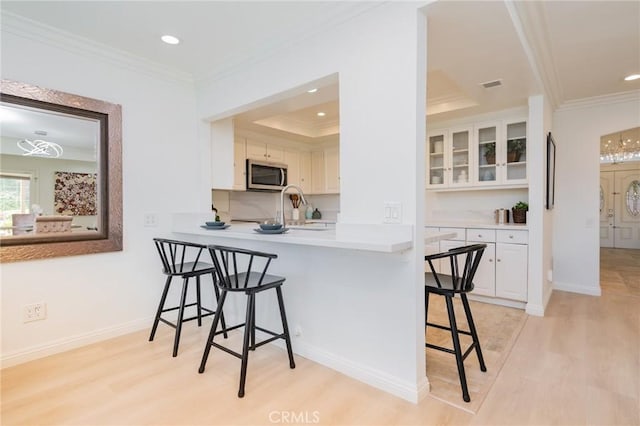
pixel 264 176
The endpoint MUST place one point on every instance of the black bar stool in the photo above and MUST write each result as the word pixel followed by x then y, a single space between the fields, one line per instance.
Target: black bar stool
pixel 459 282
pixel 234 278
pixel 182 259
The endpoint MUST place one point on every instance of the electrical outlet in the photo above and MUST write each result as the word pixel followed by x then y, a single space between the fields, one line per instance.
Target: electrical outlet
pixel 150 220
pixel 34 312
pixel 392 212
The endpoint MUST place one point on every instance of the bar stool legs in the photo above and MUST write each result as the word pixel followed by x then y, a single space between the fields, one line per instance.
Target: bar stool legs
pixel 183 304
pixel 457 348
pixel 285 326
pixel 248 337
pixel 472 329
pixel 455 337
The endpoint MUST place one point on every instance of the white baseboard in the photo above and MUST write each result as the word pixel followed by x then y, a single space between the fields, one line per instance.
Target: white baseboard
pixel 496 301
pixel 535 310
pixel 68 343
pixel 572 288
pixel 409 391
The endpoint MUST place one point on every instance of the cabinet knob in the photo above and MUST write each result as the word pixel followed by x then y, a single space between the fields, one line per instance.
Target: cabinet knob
pixel 511 236
pixel 479 235
pixel 491 260
pixel 498 260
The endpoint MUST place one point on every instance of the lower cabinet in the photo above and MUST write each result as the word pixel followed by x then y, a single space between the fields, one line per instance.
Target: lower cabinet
pixel 511 271
pixel 484 283
pixel 503 268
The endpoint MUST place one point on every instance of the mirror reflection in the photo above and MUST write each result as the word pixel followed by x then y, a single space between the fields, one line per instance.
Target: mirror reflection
pixel 60 173
pixel 48 171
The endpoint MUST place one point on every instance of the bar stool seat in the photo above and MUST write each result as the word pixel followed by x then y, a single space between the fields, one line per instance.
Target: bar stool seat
pixel 234 278
pixel 182 259
pixel 460 282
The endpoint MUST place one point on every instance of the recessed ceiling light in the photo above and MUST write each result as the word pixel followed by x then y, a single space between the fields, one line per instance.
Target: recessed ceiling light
pixel 321 114
pixel 314 90
pixel 632 77
pixel 169 39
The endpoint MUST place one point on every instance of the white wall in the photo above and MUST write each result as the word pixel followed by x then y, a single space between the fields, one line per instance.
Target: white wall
pixel 380 59
pixel 577 128
pixel 93 296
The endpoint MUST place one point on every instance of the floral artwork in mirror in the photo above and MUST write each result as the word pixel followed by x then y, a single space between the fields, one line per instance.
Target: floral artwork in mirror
pixel 632 198
pixel 60 174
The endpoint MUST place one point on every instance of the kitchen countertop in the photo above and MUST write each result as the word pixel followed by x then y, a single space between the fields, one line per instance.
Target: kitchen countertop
pixel 377 238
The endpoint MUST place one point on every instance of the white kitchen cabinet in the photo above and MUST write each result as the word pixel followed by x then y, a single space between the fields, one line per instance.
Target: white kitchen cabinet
pixel 500 151
pixel 318 184
pixel 436 163
pixel 305 172
pixel 266 152
pixel 503 269
pixel 449 158
pixel 484 282
pixel 292 160
pixel 490 154
pixel 512 265
pixel 332 170
pixel 239 165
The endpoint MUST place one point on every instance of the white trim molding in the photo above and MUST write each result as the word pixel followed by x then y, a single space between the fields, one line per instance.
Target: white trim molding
pixel 614 98
pixel 47 35
pixel 574 288
pixel 73 342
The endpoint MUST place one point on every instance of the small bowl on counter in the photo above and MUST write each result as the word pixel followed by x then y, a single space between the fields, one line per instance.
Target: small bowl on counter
pixel 270 226
pixel 214 223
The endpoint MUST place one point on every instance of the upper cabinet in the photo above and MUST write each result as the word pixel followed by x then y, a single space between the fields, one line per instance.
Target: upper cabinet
pixel 449 158
pixel 263 151
pixel 316 172
pixel 332 170
pixel 239 165
pixel 492 154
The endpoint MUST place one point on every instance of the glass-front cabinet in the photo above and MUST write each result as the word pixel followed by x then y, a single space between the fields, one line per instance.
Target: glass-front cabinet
pixel 501 153
pixel 435 159
pixel 449 158
pixel 486 172
pixel 516 152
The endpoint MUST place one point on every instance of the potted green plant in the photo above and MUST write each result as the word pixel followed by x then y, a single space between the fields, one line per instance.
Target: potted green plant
pixel 516 148
pixel 519 211
pixel 490 153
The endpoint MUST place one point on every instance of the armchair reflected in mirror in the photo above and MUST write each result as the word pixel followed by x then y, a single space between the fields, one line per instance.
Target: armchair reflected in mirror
pixel 60 174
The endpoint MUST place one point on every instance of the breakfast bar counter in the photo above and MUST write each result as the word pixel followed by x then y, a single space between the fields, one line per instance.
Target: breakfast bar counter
pixel 376 238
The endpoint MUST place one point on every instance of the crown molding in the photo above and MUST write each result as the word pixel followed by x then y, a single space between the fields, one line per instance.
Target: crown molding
pixel 530 21
pixel 45 34
pixel 610 99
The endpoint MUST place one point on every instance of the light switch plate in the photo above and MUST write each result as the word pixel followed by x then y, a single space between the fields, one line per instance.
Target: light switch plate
pixel 392 212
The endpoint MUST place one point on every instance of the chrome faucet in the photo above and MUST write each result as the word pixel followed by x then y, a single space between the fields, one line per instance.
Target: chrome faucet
pixel 282 220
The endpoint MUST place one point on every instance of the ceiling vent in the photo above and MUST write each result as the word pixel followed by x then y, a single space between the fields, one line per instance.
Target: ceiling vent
pixel 492 83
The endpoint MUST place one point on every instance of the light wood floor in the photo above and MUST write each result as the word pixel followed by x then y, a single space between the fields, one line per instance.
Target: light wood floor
pixel 579 365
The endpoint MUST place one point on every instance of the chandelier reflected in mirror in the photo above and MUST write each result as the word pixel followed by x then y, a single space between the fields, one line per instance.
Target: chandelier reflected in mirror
pixel 619 147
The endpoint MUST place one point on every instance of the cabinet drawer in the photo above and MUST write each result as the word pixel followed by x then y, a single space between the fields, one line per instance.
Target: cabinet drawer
pixel 481 235
pixel 514 237
pixel 460 233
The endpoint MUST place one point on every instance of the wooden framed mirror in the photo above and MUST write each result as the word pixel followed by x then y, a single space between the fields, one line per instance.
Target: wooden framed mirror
pixel 60 174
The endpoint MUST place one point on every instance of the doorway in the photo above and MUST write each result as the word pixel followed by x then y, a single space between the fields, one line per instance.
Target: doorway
pixel 620 206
